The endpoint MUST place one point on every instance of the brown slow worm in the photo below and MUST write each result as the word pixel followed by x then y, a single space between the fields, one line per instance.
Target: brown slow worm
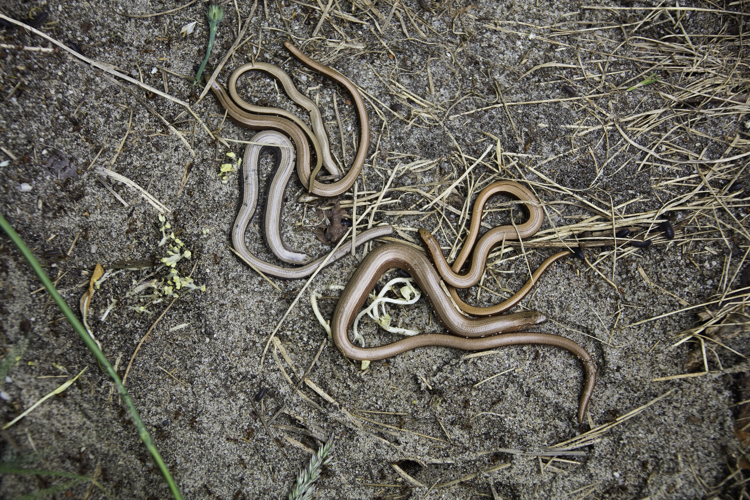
pixel 486 242
pixel 482 331
pixel 273 214
pixel 319 139
pixel 490 238
pixel 345 182
pixel 266 122
pixel 304 158
pixel 514 299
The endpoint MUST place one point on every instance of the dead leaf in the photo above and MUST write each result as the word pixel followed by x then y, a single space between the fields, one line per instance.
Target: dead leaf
pixel 60 164
pixel 331 228
pixel 86 298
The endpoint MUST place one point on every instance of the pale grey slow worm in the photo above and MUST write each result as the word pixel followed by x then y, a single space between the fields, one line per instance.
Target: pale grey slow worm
pixel 275 202
pixel 273 214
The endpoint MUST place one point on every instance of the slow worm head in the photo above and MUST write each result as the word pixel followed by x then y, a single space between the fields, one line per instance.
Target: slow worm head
pixel 490 239
pixel 273 212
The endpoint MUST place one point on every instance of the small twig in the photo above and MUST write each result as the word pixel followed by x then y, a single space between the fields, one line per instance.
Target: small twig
pixel 458 181
pixel 323 17
pixel 153 201
pixel 31 408
pixel 143 339
pixel 108 69
pixel 125 137
pixel 21 47
pixel 153 111
pixel 301 379
pixel 678 162
pixel 97 471
pixel 255 269
pixel 95 158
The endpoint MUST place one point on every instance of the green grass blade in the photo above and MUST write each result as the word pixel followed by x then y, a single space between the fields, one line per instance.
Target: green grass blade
pixel 73 319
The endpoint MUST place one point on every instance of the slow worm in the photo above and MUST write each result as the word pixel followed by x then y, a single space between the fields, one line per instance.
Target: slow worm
pixel 336 188
pixel 319 139
pixel 514 299
pixel 266 122
pixel 490 238
pixel 482 331
pixel 486 242
pixel 262 122
pixel 275 202
pixel 273 215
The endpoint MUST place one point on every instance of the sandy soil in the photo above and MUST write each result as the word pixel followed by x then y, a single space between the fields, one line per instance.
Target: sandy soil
pixel 542 88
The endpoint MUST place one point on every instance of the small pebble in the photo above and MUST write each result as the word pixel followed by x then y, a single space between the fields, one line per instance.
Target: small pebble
pixel 93 249
pixel 569 90
pixel 4 396
pixel 75 47
pixel 24 187
pixel 578 252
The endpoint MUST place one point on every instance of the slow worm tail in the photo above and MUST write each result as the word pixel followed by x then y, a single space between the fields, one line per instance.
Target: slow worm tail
pixel 482 330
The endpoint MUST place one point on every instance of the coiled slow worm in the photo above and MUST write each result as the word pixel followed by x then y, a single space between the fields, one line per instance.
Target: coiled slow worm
pixel 344 183
pixel 266 122
pixel 486 243
pixel 275 202
pixel 482 331
pixel 491 238
pixel 319 138
pixel 273 215
pixel 304 158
